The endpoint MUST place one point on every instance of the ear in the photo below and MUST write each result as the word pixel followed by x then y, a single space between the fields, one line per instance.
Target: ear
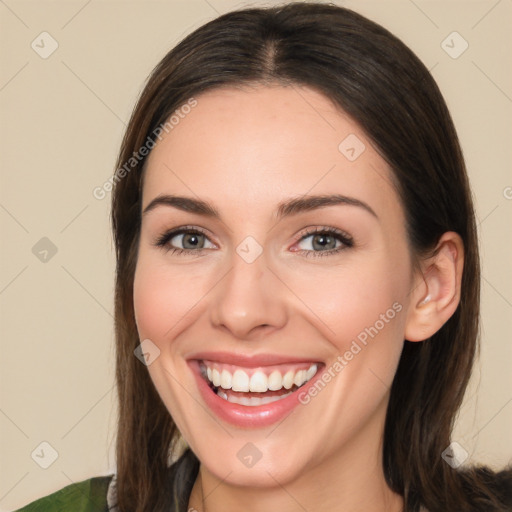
pixel 436 289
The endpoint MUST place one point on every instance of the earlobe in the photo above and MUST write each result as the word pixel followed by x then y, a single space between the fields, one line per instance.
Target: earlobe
pixel 436 292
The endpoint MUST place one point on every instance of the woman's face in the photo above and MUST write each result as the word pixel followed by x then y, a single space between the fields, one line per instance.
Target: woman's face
pixel 272 283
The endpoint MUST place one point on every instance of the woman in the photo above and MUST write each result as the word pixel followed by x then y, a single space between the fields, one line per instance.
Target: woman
pixel 297 278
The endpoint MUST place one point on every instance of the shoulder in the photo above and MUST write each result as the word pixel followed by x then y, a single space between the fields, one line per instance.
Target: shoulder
pixel 86 496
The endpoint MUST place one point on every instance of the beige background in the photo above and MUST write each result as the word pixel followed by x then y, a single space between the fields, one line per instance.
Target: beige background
pixel 62 122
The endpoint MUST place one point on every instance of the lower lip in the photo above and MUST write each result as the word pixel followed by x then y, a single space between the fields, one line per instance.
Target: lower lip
pixel 245 416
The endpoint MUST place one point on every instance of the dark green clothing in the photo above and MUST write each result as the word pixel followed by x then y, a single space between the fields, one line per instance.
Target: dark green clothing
pixel 85 496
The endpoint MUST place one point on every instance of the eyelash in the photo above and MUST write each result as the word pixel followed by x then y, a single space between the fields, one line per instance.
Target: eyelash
pixel 343 237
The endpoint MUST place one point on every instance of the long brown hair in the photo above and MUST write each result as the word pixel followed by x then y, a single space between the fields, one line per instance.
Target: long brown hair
pixel 381 84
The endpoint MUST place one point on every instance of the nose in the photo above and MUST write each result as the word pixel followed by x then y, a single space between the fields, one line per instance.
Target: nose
pixel 249 301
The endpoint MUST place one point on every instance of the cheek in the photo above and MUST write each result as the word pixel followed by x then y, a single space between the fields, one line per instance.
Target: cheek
pixel 165 296
pixel 150 302
pixel 157 305
pixel 348 299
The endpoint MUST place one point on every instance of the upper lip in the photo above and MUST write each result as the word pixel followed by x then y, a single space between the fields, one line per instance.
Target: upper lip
pixel 252 361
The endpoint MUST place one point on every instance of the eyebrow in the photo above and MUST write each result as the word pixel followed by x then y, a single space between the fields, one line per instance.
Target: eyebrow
pixel 286 208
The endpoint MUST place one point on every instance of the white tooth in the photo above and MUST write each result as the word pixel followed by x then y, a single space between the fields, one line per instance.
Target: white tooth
pixel 233 399
pixel 253 401
pixel 269 399
pixel 225 379
pixel 245 401
pixel 300 377
pixel 222 394
pixel 240 381
pixel 216 377
pixel 311 371
pixel 288 379
pixel 275 381
pixel 209 373
pixel 258 382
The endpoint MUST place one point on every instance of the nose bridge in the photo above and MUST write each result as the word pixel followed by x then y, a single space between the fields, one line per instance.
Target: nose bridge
pixel 248 296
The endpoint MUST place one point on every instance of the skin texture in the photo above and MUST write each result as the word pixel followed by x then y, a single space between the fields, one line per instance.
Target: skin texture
pixel 245 150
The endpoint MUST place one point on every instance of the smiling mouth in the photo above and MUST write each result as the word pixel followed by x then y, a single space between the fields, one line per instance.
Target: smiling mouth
pixel 256 386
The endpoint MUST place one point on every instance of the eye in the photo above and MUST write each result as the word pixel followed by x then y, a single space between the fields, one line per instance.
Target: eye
pixel 324 241
pixel 192 240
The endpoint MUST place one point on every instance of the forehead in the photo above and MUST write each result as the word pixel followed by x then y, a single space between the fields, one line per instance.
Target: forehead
pixel 252 147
